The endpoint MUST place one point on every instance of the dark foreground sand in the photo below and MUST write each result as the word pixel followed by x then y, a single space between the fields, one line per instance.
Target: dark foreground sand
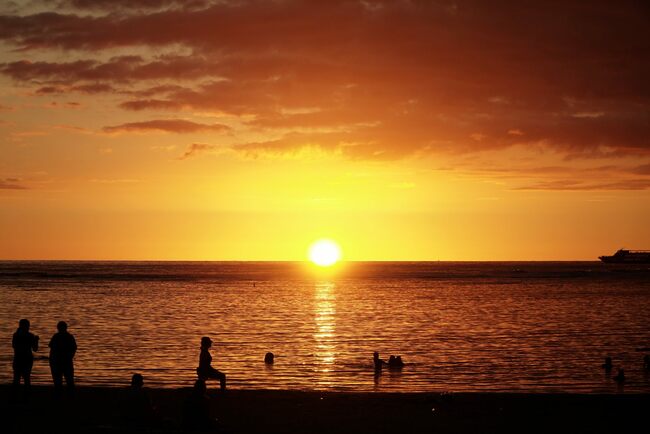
pixel 99 410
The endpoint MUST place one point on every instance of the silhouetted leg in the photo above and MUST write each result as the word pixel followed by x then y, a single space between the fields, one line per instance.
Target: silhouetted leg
pixel 57 378
pixel 218 375
pixel 17 375
pixel 68 373
pixel 15 385
pixel 222 380
pixel 27 377
pixel 221 377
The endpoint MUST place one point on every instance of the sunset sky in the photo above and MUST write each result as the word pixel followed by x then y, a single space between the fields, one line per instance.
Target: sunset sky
pixel 245 130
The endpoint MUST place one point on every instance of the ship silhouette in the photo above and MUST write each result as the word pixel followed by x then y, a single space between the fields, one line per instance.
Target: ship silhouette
pixel 625 256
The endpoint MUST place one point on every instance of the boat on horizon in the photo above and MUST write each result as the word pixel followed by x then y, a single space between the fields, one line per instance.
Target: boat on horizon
pixel 625 256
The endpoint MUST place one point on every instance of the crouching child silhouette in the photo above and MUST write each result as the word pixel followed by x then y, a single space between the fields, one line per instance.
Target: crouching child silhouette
pixel 205 371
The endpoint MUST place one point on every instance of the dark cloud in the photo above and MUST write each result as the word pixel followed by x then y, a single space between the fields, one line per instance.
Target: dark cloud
pixel 120 69
pixel 167 125
pixel 11 184
pixel 571 185
pixel 643 169
pixel 195 149
pixel 121 5
pixel 386 79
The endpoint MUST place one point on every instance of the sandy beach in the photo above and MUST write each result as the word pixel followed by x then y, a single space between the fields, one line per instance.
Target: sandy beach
pixel 257 411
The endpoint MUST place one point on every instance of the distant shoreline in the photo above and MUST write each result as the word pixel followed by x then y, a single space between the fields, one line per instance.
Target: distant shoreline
pixel 306 262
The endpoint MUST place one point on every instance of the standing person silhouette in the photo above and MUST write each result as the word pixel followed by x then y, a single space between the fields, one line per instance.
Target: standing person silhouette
pixel 205 370
pixel 62 350
pixel 23 343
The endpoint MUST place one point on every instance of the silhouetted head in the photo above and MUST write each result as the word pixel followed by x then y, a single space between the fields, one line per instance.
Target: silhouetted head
pixel 268 358
pixel 62 326
pixel 375 355
pixel 23 324
pixel 137 380
pixel 199 387
pixel 206 342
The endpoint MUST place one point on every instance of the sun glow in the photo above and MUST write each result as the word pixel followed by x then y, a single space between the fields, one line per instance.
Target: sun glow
pixel 324 253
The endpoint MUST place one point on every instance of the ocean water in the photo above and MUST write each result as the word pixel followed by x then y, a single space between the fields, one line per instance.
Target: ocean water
pixel 518 326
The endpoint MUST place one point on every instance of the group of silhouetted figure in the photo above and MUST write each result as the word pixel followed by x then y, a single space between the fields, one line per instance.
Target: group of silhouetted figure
pixel 139 409
pixel 620 374
pixel 62 350
pixel 393 363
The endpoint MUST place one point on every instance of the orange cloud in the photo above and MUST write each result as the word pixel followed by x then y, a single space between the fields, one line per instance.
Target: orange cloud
pixel 167 125
pixel 195 149
pixel 395 79
pixel 570 185
pixel 11 184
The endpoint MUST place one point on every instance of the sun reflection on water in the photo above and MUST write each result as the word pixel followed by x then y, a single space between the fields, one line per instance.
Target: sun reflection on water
pixel 325 331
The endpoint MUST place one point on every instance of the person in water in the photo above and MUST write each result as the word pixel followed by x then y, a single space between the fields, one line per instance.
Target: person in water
pixel 205 370
pixel 268 358
pixel 395 362
pixel 379 363
pixel 23 343
pixel 607 366
pixel 63 347
pixel 620 377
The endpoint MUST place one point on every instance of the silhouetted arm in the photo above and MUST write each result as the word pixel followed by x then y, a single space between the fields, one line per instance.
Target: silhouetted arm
pixel 35 343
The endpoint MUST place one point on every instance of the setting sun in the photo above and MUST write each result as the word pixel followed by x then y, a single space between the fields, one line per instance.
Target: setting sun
pixel 324 253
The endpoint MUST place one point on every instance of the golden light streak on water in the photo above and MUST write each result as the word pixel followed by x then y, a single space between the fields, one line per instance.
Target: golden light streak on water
pixel 325 332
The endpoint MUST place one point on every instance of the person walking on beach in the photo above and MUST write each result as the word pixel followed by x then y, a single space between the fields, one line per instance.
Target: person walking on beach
pixel 205 370
pixel 23 343
pixel 62 350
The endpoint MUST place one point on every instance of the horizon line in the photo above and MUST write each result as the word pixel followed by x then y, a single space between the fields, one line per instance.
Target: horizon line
pixel 305 261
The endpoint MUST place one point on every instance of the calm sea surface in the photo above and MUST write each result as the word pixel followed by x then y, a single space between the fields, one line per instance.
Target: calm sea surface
pixel 538 327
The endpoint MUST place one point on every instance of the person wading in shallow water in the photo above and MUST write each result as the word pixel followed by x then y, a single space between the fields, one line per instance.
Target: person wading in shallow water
pixel 62 350
pixel 23 343
pixel 205 370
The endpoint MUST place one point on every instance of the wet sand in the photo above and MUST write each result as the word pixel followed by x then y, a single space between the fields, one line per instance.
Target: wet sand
pixel 100 410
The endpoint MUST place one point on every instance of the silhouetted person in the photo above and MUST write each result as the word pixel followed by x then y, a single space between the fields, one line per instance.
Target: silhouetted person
pixel 379 363
pixel 62 350
pixel 646 362
pixel 395 362
pixel 139 410
pixel 205 370
pixel 268 358
pixel 23 343
pixel 196 410
pixel 607 366
pixel 620 377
